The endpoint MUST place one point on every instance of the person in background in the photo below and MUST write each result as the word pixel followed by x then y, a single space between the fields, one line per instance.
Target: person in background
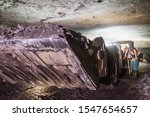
pixel 140 56
pixel 134 62
pixel 125 56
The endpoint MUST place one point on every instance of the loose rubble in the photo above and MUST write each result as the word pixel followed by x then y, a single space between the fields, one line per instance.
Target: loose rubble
pixel 141 88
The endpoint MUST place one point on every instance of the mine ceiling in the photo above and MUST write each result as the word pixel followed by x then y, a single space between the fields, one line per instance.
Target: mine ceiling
pixel 75 13
pixel 90 17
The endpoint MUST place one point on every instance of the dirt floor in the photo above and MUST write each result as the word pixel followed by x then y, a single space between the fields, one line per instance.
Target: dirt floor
pixel 128 88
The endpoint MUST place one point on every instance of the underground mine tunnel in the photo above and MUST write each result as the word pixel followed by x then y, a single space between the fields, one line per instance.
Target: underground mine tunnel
pixel 62 49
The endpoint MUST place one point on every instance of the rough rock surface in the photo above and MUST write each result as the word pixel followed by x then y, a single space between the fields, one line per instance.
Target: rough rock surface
pixel 74 13
pixel 36 55
pixel 127 89
pixel 141 88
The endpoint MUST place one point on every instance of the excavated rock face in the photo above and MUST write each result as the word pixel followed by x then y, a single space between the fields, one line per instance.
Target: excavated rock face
pixel 36 55
pixel 75 13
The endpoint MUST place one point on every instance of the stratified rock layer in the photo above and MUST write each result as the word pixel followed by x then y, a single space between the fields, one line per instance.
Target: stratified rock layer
pixel 36 55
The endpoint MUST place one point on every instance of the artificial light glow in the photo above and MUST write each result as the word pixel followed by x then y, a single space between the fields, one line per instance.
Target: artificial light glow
pixel 108 43
pixel 136 33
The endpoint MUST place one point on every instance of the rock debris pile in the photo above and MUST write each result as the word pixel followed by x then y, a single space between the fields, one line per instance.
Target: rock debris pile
pixel 141 88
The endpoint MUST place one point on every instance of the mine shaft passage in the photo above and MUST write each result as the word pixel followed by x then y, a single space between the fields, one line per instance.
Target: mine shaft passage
pixel 49 55
pixel 96 49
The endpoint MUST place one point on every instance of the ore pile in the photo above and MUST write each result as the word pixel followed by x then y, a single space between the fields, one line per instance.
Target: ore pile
pixel 37 55
pixel 141 88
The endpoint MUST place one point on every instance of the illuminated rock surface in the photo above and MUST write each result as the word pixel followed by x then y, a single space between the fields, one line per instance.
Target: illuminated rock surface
pixel 91 18
pixel 38 55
